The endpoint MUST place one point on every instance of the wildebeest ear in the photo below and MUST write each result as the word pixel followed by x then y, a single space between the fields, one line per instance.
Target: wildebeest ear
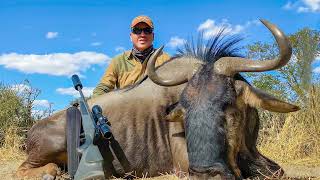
pixel 257 98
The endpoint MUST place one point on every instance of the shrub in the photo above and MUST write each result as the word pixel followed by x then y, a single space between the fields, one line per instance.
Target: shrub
pixel 16 106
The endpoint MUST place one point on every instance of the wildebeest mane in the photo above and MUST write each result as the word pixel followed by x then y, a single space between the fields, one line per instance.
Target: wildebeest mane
pixel 209 51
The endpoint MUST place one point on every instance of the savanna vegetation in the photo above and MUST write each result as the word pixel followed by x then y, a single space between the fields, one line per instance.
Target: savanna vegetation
pixel 17 115
pixel 292 138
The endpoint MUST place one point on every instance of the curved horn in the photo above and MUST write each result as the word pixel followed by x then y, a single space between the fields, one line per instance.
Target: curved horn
pixel 232 65
pixel 154 76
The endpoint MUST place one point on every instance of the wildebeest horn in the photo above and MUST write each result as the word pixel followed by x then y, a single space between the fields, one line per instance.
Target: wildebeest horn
pixel 154 76
pixel 232 65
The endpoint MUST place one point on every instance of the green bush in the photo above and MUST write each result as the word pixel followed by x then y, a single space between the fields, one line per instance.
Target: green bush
pixel 16 108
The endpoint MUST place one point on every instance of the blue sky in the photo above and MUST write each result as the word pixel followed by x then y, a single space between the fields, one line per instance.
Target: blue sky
pixel 46 41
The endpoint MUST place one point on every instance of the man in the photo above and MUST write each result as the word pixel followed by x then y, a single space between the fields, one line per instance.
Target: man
pixel 128 67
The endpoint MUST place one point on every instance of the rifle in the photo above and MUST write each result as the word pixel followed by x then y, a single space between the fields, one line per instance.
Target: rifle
pixel 94 126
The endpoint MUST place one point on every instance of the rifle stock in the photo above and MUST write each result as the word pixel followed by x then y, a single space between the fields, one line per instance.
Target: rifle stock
pixel 91 163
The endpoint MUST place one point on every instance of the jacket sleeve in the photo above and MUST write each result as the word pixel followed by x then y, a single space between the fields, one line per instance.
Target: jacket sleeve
pixel 108 80
pixel 165 57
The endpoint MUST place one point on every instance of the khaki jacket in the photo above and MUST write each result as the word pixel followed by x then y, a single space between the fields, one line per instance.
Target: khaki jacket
pixel 124 70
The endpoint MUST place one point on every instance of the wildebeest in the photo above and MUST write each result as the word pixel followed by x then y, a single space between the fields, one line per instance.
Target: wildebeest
pixel 217 97
pixel 141 118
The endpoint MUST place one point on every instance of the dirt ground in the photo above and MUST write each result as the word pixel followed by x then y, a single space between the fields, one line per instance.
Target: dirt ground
pixel 7 169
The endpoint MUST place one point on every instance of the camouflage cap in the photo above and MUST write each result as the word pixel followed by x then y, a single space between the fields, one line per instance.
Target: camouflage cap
pixel 142 18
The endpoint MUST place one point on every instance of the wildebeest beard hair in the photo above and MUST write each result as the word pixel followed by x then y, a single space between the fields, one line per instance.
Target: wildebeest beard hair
pixel 205 99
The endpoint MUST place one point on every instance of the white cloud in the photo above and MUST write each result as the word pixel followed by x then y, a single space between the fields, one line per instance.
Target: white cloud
pixel 293 59
pixel 176 42
pixel 96 44
pixel 40 113
pixel 41 103
pixel 208 24
pixel 87 91
pixel 253 22
pixel 313 5
pixel 316 70
pixel 302 9
pixel 303 6
pixel 20 88
pixel 57 64
pixel 289 5
pixel 211 28
pixel 120 49
pixel 52 35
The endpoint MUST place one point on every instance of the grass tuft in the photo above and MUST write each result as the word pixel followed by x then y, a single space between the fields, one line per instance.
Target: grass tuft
pixel 296 139
pixel 11 147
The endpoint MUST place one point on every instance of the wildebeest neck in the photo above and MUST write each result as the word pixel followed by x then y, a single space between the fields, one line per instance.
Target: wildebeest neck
pixel 205 99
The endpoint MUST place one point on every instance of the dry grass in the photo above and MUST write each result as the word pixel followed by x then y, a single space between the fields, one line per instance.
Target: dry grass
pixel 10 154
pixel 10 150
pixel 294 138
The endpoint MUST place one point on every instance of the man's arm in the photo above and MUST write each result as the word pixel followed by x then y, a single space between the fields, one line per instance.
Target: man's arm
pixel 108 80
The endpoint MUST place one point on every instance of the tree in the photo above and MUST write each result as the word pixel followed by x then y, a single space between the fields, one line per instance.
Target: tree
pixel 17 108
pixel 293 81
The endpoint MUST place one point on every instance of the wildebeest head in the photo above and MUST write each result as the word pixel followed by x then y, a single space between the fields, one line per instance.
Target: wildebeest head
pixel 217 97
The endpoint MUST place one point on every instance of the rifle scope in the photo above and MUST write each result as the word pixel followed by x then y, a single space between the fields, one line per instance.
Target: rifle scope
pixel 101 121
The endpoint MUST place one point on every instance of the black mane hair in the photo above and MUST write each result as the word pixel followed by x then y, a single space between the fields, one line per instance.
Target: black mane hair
pixel 209 51
pixel 216 47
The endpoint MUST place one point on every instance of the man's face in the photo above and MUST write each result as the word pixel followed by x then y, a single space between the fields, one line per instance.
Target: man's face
pixel 143 40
